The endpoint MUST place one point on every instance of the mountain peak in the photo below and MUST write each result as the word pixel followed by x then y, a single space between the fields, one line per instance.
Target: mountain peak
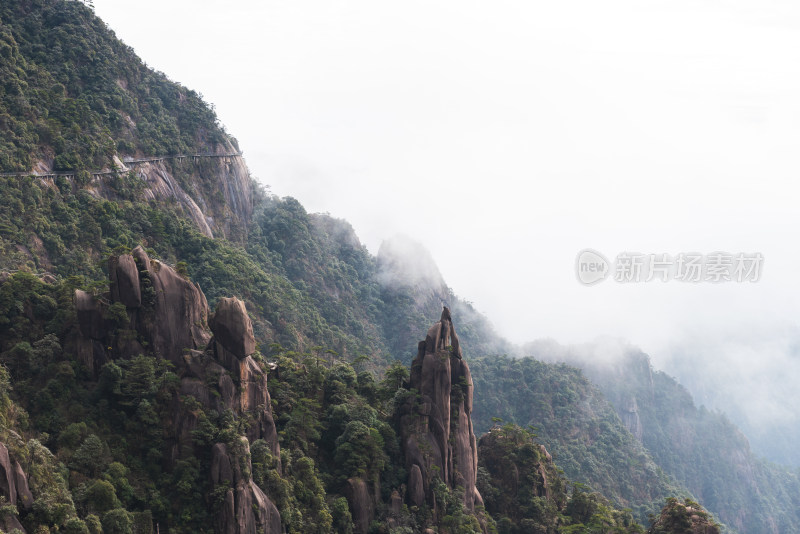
pixel 404 262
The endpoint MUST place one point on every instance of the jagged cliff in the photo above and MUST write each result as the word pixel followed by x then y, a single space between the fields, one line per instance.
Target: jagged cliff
pixel 214 190
pixel 524 490
pixel 161 310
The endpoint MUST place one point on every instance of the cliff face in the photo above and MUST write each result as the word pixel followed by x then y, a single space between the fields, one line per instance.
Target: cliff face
pixel 167 315
pixel 214 192
pixel 163 311
pixel 436 425
pixel 246 508
pixel 629 414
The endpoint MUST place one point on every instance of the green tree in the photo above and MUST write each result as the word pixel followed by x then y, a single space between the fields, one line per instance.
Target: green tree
pixel 101 496
pixel 117 521
pixel 342 519
pixel 75 526
pixel 91 457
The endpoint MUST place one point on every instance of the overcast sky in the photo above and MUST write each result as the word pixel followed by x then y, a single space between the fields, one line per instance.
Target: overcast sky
pixel 507 136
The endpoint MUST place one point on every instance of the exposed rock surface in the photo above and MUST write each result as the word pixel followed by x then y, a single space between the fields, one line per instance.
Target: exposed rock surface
pixel 361 506
pixel 124 276
pixel 232 327
pixel 629 413
pixel 195 184
pixel 90 317
pixel 237 189
pixel 168 316
pixel 416 486
pixel 162 185
pixel 166 312
pixel 175 315
pixel 221 380
pixel 14 488
pixel 245 508
pixel 89 343
pixel 436 428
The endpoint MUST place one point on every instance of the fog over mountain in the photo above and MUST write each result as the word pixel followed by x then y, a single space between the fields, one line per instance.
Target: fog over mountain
pixel 506 137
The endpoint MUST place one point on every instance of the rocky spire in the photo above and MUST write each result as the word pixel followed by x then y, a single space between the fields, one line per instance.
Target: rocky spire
pixel 436 425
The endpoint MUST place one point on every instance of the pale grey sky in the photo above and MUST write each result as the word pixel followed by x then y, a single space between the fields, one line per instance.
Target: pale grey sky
pixel 508 135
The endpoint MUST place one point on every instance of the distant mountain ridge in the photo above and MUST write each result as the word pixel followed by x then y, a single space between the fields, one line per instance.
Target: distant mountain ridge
pixel 701 449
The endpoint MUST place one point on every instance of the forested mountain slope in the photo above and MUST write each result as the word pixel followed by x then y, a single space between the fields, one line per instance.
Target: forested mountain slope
pixel 701 449
pixel 75 99
pixel 578 426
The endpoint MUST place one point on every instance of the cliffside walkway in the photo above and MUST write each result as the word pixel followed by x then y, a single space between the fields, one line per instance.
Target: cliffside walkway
pixel 128 163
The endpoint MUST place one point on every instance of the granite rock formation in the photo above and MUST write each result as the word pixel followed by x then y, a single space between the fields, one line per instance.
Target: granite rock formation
pixel 245 508
pixel 436 427
pixel 168 316
pixel 363 509
pixel 14 489
pixel 166 312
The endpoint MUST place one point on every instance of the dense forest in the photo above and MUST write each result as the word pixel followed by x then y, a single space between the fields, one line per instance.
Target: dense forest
pixel 130 401
pixel 94 440
pixel 74 94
